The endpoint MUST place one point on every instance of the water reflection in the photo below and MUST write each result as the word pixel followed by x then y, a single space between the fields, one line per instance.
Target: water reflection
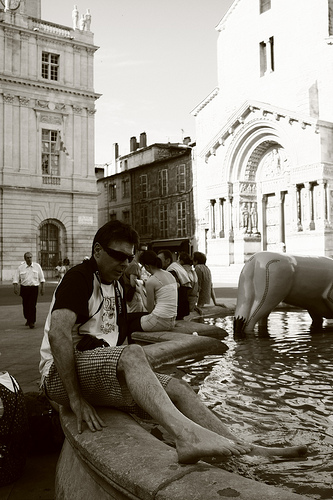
pixel 275 391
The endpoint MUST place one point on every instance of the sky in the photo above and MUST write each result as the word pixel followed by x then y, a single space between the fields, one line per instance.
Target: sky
pixel 155 63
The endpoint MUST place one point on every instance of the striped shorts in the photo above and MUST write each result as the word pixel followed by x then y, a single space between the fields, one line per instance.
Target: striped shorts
pixel 97 374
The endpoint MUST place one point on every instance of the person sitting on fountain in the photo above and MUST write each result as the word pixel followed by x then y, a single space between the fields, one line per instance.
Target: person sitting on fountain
pixel 88 311
pixel 159 296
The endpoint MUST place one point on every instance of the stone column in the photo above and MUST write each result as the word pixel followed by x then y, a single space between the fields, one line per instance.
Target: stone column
pixel 8 100
pixel 221 217
pixel 282 235
pixel 24 133
pixel 299 208
pixel 212 219
pixel 230 217
pixel 323 192
pixel 8 50
pixel 264 221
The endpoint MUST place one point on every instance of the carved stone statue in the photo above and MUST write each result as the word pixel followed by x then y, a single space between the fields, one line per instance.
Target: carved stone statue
pixel 75 17
pixel 82 23
pixel 245 217
pixel 254 218
pixel 88 19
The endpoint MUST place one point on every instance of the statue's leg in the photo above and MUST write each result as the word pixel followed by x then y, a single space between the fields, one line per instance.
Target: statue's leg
pixel 317 322
pixel 262 289
pixel 245 297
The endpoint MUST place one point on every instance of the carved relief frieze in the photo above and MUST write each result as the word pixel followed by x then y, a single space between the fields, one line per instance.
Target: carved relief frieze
pixel 24 101
pixel 60 106
pixel 42 104
pixel 55 120
pixel 77 110
pixel 9 33
pixel 248 187
pixel 24 35
pixel 8 98
pixel 275 164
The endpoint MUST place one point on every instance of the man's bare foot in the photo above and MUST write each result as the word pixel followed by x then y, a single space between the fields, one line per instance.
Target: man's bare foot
pixel 285 452
pixel 209 445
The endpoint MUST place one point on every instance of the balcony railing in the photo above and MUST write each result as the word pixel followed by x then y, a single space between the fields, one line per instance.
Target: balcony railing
pixel 51 28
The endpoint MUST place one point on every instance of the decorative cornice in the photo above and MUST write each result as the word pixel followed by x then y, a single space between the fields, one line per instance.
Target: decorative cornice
pixel 206 101
pixel 268 113
pixel 220 26
pixel 49 87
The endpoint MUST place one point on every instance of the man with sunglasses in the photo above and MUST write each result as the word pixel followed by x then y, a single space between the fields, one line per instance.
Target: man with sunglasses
pixel 84 364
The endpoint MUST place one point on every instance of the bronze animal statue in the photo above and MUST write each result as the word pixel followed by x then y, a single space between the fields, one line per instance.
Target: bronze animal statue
pixel 269 278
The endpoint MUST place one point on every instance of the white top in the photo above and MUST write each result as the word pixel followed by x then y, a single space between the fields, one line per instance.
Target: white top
pixel 166 300
pixel 29 275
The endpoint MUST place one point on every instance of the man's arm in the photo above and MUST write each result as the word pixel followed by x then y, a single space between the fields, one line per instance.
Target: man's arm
pixel 16 280
pixel 60 336
pixel 41 279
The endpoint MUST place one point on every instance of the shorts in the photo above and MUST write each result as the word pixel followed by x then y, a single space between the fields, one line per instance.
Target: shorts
pixel 153 323
pixel 97 373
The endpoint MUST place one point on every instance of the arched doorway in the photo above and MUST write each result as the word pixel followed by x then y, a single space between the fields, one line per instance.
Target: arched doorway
pixel 52 245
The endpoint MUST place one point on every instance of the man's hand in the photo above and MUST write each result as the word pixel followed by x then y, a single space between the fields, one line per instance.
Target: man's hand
pixel 42 291
pixel 86 413
pixel 16 289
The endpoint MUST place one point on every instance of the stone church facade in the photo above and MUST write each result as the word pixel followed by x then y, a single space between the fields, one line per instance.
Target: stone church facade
pixel 47 106
pixel 265 134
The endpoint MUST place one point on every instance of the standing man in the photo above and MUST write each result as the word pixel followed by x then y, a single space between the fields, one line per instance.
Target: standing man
pixel 29 275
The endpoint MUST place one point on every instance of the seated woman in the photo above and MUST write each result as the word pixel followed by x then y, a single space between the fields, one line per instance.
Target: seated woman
pixel 159 296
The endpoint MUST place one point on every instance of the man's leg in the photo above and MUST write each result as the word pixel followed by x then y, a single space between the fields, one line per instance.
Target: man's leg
pixel 192 441
pixel 187 401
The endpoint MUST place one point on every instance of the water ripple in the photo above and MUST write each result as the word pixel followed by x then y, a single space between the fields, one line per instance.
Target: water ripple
pixel 276 391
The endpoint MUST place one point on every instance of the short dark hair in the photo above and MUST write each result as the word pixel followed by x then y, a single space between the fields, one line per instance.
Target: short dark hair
pixel 115 231
pixel 148 257
pixel 199 257
pixel 185 258
pixel 167 254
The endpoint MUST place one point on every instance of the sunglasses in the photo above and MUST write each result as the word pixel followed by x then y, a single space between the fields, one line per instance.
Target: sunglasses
pixel 120 256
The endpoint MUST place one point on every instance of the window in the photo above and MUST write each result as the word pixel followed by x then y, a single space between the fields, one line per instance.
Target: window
pixel 49 242
pixel 125 188
pixel 163 221
pixel 50 66
pixel 126 216
pixel 144 220
pixel 163 182
pixel 181 180
pixel 113 216
pixel 181 219
pixel 267 56
pixel 264 5
pixel 143 186
pixel 50 152
pixel 113 192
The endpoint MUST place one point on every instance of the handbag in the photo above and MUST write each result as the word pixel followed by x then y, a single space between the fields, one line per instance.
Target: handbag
pixel 14 433
pixel 89 342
